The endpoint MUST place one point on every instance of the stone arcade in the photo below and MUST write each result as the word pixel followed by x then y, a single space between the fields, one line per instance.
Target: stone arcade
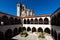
pixel 11 25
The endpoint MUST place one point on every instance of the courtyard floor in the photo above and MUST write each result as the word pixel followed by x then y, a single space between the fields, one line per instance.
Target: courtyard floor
pixel 33 36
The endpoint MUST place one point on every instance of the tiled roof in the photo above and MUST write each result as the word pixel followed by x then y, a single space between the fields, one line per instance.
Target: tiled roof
pixel 9 14
pixel 44 15
pixel 41 15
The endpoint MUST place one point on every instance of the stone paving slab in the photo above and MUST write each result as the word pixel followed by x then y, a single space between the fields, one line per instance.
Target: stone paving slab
pixel 33 36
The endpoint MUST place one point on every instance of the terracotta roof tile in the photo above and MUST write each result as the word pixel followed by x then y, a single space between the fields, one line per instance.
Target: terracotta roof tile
pixel 41 15
pixel 44 15
pixel 9 14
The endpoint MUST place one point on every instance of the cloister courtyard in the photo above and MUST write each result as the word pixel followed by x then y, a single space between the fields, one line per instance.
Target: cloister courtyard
pixel 28 34
pixel 33 36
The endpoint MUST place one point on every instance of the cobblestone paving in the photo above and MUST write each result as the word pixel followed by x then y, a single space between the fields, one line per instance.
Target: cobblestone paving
pixel 33 36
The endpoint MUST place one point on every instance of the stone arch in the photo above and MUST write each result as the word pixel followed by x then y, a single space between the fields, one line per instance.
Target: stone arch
pixel 40 21
pixel 32 21
pixel 40 29
pixel 33 29
pixel 20 29
pixel 47 30
pixel 36 21
pixel 8 34
pixel 53 20
pixel 16 21
pixel 1 36
pixel 28 21
pixel 15 31
pixel 58 15
pixel 23 28
pixel 55 35
pixel 52 32
pixel 5 19
pixel 58 19
pixel 28 29
pixel 25 22
pixel 46 21
pixel 11 20
pixel 19 21
pixel 59 36
pixel 0 20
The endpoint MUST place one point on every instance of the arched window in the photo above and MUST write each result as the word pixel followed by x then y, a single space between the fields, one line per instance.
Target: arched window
pixel 11 20
pixel 55 34
pixel 24 29
pixel 5 19
pixel 54 21
pixel 46 21
pixel 58 19
pixel 28 21
pixel 33 29
pixel 16 21
pixel 52 32
pixel 25 21
pixel 20 29
pixel 36 21
pixel 19 21
pixel 15 31
pixel 47 30
pixel 59 36
pixel 28 29
pixel 1 36
pixel 8 34
pixel 40 21
pixel 58 15
pixel 40 29
pixel 0 20
pixel 32 21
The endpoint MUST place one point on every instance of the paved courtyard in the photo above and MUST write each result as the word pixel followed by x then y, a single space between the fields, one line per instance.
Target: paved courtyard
pixel 33 36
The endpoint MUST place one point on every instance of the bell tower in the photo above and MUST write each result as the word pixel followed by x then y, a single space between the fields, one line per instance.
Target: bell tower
pixel 18 9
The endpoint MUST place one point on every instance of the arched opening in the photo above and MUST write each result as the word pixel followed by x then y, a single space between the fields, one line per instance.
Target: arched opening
pixel 58 19
pixel 40 29
pixel 28 21
pixel 46 21
pixel 55 35
pixel 25 22
pixel 52 32
pixel 20 29
pixel 19 21
pixel 5 19
pixel 1 36
pixel 40 21
pixel 59 36
pixel 36 21
pixel 0 20
pixel 32 21
pixel 11 21
pixel 53 20
pixel 24 29
pixel 28 29
pixel 47 30
pixel 16 21
pixel 15 31
pixel 33 29
pixel 8 34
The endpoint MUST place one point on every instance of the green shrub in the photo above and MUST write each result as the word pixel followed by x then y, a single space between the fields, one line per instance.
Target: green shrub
pixel 24 34
pixel 41 35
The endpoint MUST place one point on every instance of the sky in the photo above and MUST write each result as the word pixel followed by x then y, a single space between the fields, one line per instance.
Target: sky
pixel 39 6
